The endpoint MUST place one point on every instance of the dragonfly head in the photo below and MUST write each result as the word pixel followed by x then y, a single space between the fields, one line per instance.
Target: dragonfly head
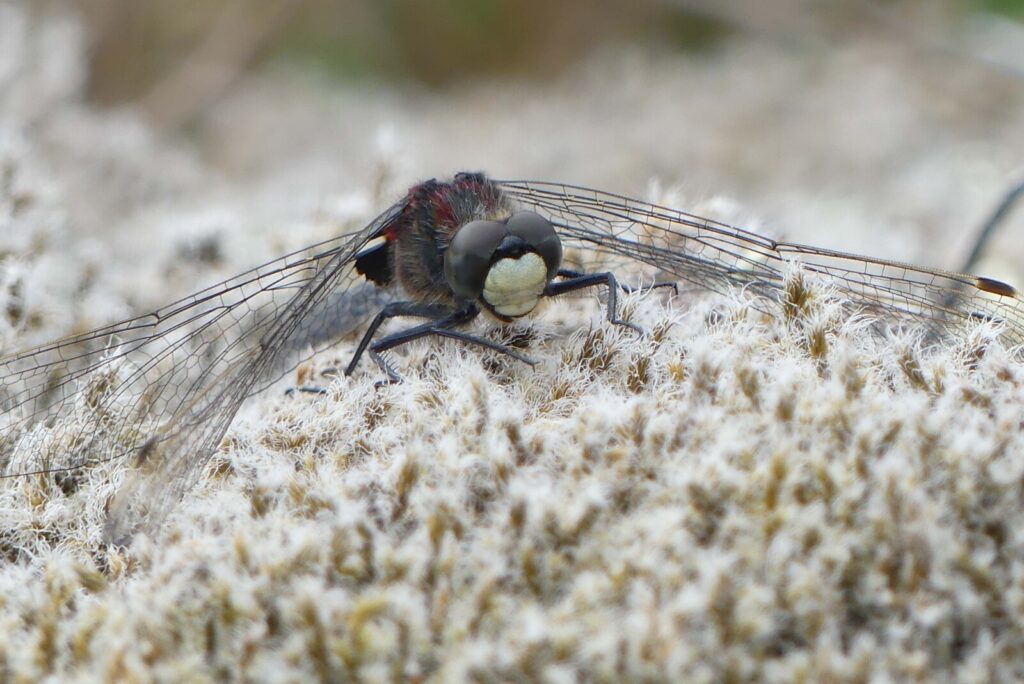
pixel 504 264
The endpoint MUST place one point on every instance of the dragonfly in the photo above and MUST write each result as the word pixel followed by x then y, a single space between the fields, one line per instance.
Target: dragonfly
pixel 163 388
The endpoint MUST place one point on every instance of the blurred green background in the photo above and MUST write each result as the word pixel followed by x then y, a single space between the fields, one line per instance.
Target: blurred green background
pixel 174 56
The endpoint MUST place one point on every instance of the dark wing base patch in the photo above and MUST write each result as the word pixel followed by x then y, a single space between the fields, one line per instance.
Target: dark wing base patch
pixel 375 264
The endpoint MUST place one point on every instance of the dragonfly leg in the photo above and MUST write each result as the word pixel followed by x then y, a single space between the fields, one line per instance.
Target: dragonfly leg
pixel 574 280
pixel 569 274
pixel 443 326
pixel 392 310
pixel 395 310
pixel 305 389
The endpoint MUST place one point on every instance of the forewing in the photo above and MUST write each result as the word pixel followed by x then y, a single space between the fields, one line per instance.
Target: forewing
pixel 618 233
pixel 165 386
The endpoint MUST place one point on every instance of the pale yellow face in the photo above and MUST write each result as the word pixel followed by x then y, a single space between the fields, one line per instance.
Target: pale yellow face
pixel 514 286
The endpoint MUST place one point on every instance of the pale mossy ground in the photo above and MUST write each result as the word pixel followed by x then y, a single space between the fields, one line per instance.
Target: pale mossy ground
pixel 731 497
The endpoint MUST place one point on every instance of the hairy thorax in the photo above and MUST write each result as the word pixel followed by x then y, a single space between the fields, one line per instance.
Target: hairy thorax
pixel 435 212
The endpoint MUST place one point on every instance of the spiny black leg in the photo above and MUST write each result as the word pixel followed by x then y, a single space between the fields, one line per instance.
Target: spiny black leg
pixel 391 375
pixel 578 281
pixel 305 389
pixel 653 286
pixel 441 328
pixel 567 274
pixel 392 310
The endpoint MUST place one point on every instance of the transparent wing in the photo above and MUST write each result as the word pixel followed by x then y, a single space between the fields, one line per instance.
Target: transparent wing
pixel 676 245
pixel 165 386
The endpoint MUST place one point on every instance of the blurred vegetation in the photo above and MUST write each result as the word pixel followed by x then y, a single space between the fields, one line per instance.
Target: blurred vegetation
pixel 1010 8
pixel 434 42
pixel 175 56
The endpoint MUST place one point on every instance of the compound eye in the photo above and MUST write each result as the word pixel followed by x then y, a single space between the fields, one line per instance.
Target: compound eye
pixel 468 258
pixel 537 232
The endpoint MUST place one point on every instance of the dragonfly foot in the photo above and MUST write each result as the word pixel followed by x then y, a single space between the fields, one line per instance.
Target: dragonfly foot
pixel 305 389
